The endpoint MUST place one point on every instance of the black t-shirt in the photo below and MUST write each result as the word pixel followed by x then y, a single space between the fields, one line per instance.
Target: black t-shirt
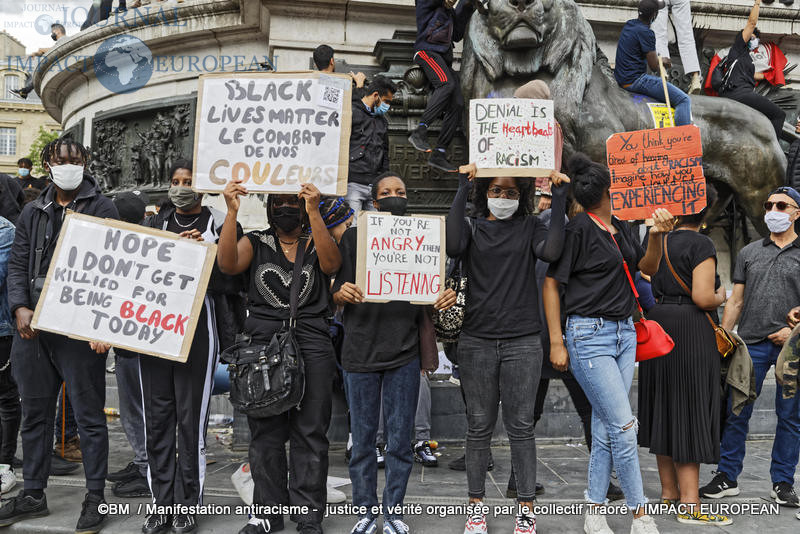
pixel 743 73
pixel 270 276
pixel 377 336
pixel 31 181
pixel 687 250
pixel 203 222
pixel 591 268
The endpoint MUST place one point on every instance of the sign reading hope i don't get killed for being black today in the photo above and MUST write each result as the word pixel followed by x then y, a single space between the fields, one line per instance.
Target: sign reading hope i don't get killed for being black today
pixel 400 258
pixel 126 285
pixel 273 131
pixel 512 136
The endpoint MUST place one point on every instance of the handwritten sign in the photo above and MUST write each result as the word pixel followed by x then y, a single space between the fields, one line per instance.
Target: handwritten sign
pixel 652 169
pixel 512 136
pixel 663 117
pixel 400 258
pixel 127 285
pixel 274 132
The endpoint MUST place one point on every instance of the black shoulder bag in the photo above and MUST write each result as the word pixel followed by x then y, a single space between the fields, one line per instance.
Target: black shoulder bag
pixel 269 380
pixel 37 280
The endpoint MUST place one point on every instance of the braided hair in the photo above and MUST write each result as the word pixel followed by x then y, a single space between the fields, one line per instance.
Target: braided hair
pixel 53 149
pixel 335 211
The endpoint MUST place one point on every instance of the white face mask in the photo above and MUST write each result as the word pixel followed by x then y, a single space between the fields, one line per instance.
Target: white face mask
pixel 754 43
pixel 777 221
pixel 502 208
pixel 67 177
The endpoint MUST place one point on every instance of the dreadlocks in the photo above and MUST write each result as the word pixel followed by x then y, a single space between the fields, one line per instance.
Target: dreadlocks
pixel 335 211
pixel 53 148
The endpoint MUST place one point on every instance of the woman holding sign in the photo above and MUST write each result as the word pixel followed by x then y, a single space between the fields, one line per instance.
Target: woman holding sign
pixel 499 350
pixel 268 256
pixel 600 337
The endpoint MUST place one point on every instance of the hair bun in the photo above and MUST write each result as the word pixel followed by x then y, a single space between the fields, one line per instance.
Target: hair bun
pixel 579 163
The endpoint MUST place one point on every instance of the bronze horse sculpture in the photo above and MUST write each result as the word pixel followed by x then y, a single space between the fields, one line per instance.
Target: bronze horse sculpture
pixel 511 42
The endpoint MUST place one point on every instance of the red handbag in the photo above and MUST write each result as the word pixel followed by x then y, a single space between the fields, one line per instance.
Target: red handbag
pixel 651 339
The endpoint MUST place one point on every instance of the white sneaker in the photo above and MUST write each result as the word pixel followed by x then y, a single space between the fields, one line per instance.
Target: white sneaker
pixel 595 523
pixel 644 525
pixel 7 478
pixel 335 496
pixel 476 524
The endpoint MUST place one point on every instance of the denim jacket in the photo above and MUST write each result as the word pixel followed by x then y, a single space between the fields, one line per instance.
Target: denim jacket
pixel 6 239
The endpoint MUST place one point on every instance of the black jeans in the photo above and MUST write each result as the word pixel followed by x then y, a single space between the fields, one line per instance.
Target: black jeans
pixel 748 97
pixel 39 366
pixel 10 409
pixel 446 97
pixel 305 428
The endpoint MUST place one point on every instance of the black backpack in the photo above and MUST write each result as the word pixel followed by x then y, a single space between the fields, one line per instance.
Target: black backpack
pixel 721 75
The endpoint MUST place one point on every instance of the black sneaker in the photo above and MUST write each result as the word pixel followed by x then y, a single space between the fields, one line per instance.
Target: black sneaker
pixel 424 455
pixel 784 494
pixel 614 492
pixel 156 523
pixel 20 93
pixel 135 487
pixel 183 523
pixel 258 525
pixel 419 139
pixel 16 463
pixel 91 520
pixel 348 453
pixel 719 487
pixel 439 161
pixel 460 463
pixel 309 528
pixel 22 507
pixel 129 472
pixel 60 467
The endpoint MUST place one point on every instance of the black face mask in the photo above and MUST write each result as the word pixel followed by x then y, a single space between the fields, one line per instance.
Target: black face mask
pixel 286 218
pixel 394 205
pixel 54 37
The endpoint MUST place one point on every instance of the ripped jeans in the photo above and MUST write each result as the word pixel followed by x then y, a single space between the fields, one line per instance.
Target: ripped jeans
pixel 602 354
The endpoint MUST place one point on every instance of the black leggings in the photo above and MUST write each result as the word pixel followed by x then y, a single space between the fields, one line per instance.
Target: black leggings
pixel 10 408
pixel 760 103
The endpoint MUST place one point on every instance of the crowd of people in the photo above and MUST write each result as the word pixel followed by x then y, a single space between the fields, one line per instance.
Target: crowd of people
pixel 550 294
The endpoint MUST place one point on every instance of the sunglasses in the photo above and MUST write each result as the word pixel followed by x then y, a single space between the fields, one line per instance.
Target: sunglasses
pixel 781 205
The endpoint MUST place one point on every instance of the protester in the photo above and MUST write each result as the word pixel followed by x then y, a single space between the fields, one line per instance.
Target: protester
pixel 10 409
pixel 679 400
pixel 381 358
pixel 324 61
pixel 41 361
pixel 100 10
pixel 600 343
pixel 743 77
pixel 500 355
pixel 684 35
pixel 337 215
pixel 766 287
pixel 793 161
pixel 131 481
pixel 305 427
pixel 369 142
pixel 58 32
pixel 26 180
pixel 439 25
pixel 11 198
pixel 636 50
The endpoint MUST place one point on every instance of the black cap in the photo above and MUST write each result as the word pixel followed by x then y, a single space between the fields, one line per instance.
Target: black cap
pixel 649 8
pixel 131 206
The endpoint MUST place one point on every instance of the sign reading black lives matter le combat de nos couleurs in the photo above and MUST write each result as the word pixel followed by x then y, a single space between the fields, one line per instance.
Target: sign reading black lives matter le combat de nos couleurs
pixel 273 131
pixel 126 285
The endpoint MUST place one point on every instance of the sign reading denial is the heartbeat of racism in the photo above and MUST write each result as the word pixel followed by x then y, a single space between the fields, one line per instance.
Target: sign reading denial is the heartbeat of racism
pixel 274 132
pixel 660 168
pixel 400 258
pixel 512 136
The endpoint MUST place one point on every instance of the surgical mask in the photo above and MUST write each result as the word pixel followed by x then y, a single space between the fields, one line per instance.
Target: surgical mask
pixel 183 197
pixel 286 218
pixel 777 221
pixel 753 44
pixel 24 172
pixel 502 208
pixel 380 109
pixel 394 205
pixel 67 177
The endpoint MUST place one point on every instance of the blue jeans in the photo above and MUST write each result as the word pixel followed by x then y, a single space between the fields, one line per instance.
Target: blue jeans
pixel 651 86
pixel 602 354
pixel 785 447
pixel 398 389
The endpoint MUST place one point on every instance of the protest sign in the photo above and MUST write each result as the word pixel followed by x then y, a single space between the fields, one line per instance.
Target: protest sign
pixel 663 117
pixel 512 136
pixel 274 132
pixel 660 168
pixel 132 287
pixel 400 258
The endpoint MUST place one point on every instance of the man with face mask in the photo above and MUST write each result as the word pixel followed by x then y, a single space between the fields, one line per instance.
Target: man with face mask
pixel 743 77
pixel 41 361
pixel 766 287
pixel 369 142
pixel 26 179
pixel 636 51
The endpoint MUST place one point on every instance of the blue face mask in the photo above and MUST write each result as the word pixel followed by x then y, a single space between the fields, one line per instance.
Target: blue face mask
pixel 23 172
pixel 380 110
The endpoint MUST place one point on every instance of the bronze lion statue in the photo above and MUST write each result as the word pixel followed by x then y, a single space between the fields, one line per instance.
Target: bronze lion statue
pixel 511 42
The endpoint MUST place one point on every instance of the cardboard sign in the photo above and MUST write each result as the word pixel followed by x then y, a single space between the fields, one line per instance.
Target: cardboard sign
pixel 663 117
pixel 400 258
pixel 652 169
pixel 133 287
pixel 512 136
pixel 274 132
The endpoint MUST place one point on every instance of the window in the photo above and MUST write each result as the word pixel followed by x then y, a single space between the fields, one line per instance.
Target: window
pixel 12 82
pixel 8 141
